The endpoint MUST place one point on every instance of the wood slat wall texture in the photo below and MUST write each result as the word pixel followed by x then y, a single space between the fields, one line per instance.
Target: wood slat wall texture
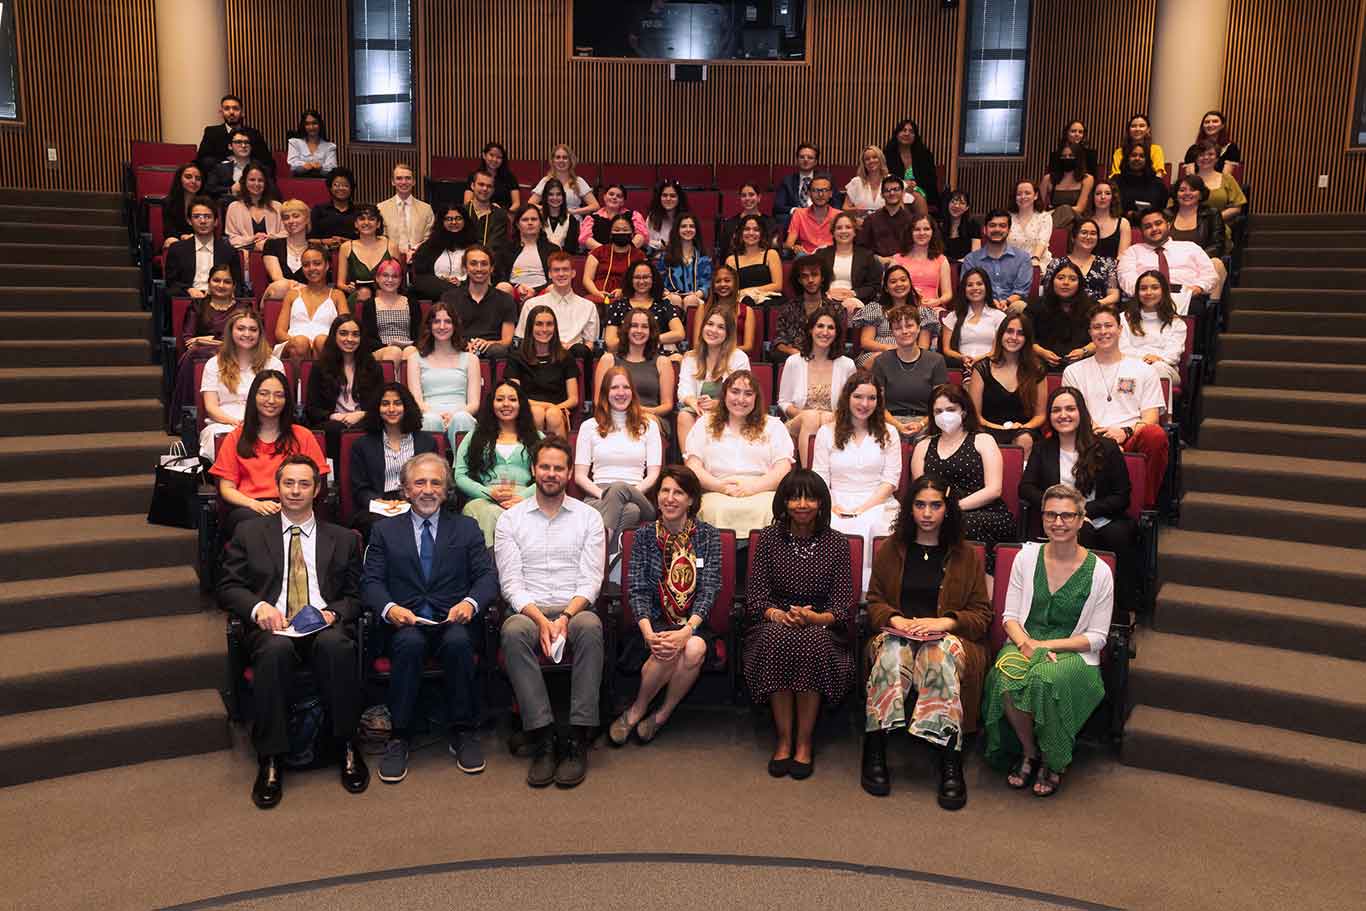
pixel 88 85
pixel 1288 96
pixel 1073 75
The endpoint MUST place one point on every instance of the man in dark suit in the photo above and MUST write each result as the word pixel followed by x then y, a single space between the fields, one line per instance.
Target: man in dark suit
pixel 794 190
pixel 188 263
pixel 428 576
pixel 275 567
pixel 213 145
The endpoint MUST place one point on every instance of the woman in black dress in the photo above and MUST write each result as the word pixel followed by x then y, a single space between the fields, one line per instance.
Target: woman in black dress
pixel 1010 388
pixel 342 380
pixel 545 372
pixel 799 599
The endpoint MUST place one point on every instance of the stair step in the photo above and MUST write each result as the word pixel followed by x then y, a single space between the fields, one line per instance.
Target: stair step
pixel 81 455
pixel 52 220
pixel 119 659
pixel 1296 348
pixel 36 297
pixel 1327 300
pixel 1281 238
pixel 20 418
pixel 71 199
pixel 1254 684
pixel 1232 471
pixel 60 254
pixel 103 735
pixel 1318 375
pixel 1322 769
pixel 1337 443
pixel 1286 406
pixel 117 495
pixel 1306 221
pixel 42 548
pixel 61 324
pixel 98 598
pixel 1303 277
pixel 1335 256
pixel 1319 627
pixel 28 384
pixel 72 235
pixel 1267 566
pixel 1263 517
pixel 1292 322
pixel 71 276
pixel 81 352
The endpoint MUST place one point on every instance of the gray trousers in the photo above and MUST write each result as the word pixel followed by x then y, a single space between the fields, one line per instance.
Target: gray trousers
pixel 521 642
pixel 622 507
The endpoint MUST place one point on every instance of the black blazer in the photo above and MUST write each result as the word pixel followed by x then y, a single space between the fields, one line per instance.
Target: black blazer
pixel 865 272
pixel 254 568
pixel 1209 231
pixel 508 253
pixel 461 566
pixel 320 399
pixel 367 466
pixel 1041 472
pixel 213 147
pixel 179 264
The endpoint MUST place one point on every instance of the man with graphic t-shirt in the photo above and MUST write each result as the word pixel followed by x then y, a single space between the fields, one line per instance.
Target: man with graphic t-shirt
pixel 1123 394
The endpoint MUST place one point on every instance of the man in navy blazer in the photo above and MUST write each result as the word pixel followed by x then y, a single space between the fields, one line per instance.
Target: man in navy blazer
pixel 428 576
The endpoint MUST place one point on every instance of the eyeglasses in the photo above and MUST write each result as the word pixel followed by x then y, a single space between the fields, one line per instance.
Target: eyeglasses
pixel 280 397
pixel 199 215
pixel 1050 517
pixel 241 142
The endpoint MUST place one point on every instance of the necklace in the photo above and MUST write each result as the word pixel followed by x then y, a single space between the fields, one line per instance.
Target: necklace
pixel 1109 396
pixel 804 551
pixel 907 365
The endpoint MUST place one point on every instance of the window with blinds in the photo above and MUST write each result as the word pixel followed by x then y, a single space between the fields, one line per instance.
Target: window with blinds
pixel 9 63
pixel 382 71
pixel 995 77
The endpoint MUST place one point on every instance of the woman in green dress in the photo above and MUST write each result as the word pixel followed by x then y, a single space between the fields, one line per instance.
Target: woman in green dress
pixel 1046 681
pixel 493 462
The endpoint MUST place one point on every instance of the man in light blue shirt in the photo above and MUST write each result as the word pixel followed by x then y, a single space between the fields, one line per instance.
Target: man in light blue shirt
pixel 1010 269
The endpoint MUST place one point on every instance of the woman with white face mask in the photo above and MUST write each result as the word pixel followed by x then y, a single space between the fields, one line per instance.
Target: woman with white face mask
pixel 970 462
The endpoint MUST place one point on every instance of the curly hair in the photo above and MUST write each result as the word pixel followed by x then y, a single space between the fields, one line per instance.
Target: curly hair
pixel 753 426
pixel 844 415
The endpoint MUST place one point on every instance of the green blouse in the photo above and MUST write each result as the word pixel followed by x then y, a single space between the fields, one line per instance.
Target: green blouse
pixel 516 466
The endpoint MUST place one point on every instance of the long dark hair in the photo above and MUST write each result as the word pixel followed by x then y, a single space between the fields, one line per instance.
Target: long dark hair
pixel 961 307
pixel 176 200
pixel 301 133
pixel 950 533
pixel 1029 368
pixel 1166 307
pixel 1058 167
pixel 426 342
pixel 268 192
pixel 912 297
pixel 1090 447
pixel 1222 139
pixel 656 215
pixel 737 245
pixel 935 248
pixel 628 283
pixel 844 415
pixel 673 251
pixel 331 364
pixel 528 347
pixel 480 455
pixel 441 238
pixel 802 483
pixel 251 421
pixel 1081 302
pixel 546 217
pixel 807 345
pixel 412 415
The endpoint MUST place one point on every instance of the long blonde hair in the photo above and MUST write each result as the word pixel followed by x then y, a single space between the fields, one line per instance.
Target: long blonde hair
pixel 704 351
pixel 862 172
pixel 228 373
pixel 573 163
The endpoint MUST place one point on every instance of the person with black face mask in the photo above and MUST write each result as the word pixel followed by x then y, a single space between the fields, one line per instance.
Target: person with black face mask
pixel 605 270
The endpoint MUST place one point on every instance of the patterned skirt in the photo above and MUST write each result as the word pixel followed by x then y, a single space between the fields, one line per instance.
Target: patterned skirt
pixel 797 658
pixel 1060 695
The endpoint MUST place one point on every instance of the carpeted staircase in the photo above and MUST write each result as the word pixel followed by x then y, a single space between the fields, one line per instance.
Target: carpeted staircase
pixel 1255 671
pixel 106 657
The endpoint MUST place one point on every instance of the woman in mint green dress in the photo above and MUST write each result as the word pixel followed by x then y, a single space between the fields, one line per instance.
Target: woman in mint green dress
pixel 493 462
pixel 1046 681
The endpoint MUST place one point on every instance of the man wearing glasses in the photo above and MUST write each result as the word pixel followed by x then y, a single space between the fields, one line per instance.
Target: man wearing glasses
pixel 225 180
pixel 188 263
pixel 214 146
pixel 810 227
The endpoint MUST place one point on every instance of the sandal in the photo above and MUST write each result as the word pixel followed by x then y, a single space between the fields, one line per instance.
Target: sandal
pixel 646 729
pixel 1023 772
pixel 1047 783
pixel 620 731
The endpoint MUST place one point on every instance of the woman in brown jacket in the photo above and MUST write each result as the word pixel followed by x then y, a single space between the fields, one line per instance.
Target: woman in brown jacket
pixel 928 608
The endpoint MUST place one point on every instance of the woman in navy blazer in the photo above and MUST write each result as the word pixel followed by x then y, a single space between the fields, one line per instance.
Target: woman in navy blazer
pixel 392 418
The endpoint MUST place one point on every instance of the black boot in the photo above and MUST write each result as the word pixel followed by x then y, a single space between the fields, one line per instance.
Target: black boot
pixel 542 771
pixel 953 788
pixel 876 780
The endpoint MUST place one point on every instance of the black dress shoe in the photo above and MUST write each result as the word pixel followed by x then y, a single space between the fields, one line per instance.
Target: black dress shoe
pixel 953 789
pixel 779 768
pixel 355 774
pixel 270 784
pixel 542 771
pixel 801 770
pixel 876 780
pixel 573 765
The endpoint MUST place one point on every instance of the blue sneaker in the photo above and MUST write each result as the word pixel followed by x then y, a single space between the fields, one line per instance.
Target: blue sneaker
pixel 469 755
pixel 393 768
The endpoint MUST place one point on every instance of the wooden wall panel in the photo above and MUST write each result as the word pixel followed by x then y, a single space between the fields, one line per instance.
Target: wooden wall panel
pixel 1074 76
pixel 89 87
pixel 1288 96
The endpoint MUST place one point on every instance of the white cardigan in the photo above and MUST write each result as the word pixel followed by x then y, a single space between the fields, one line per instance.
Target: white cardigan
pixel 1094 622
pixel 792 384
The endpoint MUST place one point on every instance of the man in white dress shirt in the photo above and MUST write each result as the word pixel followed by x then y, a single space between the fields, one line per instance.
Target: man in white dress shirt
pixel 576 316
pixel 407 220
pixel 551 554
pixel 1187 267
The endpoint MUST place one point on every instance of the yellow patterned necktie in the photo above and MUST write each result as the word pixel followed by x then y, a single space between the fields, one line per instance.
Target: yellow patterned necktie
pixel 297 599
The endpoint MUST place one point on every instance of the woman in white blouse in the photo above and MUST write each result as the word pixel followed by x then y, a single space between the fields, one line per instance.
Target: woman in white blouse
pixel 859 458
pixel 1030 228
pixel 812 379
pixel 970 330
pixel 578 194
pixel 703 369
pixel 310 153
pixel 1152 330
pixel 618 455
pixel 863 192
pixel 739 453
pixel 227 377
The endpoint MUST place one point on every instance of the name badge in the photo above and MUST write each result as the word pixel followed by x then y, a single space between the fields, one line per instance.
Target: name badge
pixel 700 562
